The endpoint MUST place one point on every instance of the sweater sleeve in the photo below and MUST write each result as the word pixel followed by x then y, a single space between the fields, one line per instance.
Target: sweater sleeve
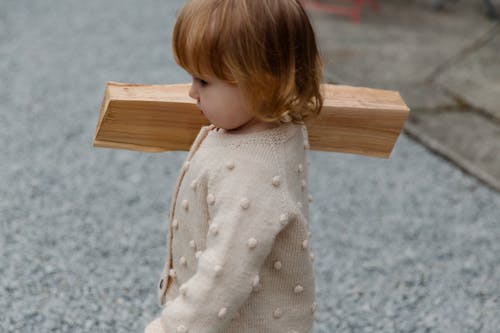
pixel 247 209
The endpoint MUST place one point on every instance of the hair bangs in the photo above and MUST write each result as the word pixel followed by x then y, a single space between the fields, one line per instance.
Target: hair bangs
pixel 197 40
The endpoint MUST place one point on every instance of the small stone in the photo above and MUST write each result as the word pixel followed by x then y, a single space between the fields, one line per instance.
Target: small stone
pixel 277 264
pixel 222 313
pixel 298 289
pixel 210 199
pixel 276 181
pixel 252 242
pixel 245 203
pixel 230 165
pixel 277 313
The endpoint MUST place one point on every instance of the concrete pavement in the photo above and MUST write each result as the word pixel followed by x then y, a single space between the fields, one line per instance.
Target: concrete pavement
pixel 446 65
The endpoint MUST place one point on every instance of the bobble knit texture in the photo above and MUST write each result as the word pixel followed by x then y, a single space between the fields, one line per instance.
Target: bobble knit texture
pixel 238 257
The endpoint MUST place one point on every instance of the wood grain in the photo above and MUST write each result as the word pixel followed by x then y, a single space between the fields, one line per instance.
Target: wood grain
pixel 158 118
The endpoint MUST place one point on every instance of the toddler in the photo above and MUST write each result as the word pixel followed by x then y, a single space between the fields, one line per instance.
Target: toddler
pixel 238 257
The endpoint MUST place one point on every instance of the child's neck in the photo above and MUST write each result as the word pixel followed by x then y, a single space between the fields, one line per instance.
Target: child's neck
pixel 253 126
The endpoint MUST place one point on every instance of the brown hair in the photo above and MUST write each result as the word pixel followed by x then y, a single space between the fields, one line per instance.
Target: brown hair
pixel 267 47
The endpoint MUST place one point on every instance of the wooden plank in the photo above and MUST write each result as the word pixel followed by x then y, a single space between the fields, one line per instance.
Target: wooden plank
pixel 158 118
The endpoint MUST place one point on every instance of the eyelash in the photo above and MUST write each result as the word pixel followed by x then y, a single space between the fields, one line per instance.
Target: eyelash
pixel 203 83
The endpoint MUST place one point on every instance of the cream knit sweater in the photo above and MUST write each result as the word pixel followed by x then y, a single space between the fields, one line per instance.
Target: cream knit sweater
pixel 238 258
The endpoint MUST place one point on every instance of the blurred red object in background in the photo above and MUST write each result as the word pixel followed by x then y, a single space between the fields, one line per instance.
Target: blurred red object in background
pixel 350 8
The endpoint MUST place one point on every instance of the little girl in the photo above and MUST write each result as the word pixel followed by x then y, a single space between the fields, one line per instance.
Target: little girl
pixel 238 258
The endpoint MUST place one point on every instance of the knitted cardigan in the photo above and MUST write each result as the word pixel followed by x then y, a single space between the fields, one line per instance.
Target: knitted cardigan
pixel 238 253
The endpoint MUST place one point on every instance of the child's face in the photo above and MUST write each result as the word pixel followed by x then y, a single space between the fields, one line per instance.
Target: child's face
pixel 222 103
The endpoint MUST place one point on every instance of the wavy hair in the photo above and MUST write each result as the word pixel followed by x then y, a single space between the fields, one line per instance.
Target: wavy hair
pixel 267 47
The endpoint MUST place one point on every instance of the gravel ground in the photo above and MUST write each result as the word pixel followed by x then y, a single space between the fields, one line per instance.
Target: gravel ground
pixel 408 244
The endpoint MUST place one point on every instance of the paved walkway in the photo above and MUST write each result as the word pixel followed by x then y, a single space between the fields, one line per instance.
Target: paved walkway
pixel 444 63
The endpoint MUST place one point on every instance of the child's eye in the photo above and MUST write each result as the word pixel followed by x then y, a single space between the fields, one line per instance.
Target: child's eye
pixel 201 81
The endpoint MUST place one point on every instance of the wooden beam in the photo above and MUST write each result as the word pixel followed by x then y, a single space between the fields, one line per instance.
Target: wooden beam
pixel 158 118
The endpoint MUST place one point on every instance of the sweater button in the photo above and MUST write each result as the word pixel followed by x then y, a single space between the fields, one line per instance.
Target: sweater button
pixel 185 204
pixel 277 313
pixel 276 181
pixel 210 199
pixel 277 265
pixel 230 165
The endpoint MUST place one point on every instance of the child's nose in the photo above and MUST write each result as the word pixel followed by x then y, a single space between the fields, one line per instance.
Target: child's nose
pixel 193 91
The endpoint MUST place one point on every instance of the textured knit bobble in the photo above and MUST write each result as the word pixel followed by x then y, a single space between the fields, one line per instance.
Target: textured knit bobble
pixel 218 270
pixel 252 242
pixel 175 223
pixel 182 329
pixel 304 244
pixel 303 184
pixel 183 289
pixel 198 254
pixel 298 289
pixel 277 313
pixel 214 229
pixel 210 199
pixel 300 168
pixel 222 313
pixel 192 244
pixel 277 264
pixel 276 181
pixel 172 273
pixel 309 198
pixel 255 281
pixel 185 204
pixel 283 219
pixel 193 184
pixel 245 203
pixel 183 260
pixel 230 165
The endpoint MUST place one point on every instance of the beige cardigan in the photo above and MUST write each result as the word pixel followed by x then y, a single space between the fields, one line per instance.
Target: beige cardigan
pixel 238 258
